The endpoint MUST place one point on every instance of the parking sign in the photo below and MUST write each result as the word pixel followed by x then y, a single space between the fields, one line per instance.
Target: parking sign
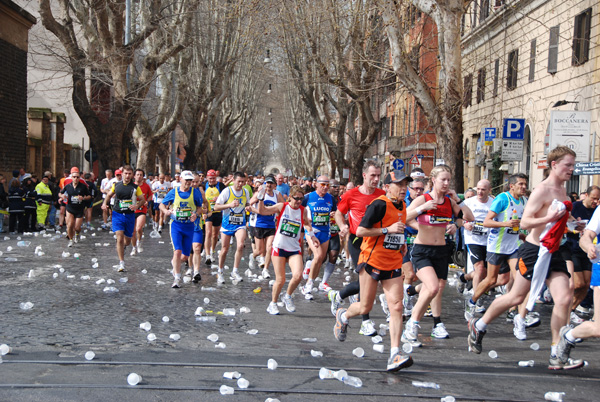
pixel 513 129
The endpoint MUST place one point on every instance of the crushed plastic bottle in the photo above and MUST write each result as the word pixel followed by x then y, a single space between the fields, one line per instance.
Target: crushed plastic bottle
pixel 213 337
pixel 316 353
pixel 226 390
pixel 358 352
pixel 89 355
pixel 272 364
pixel 65 254
pixel 424 384
pixel 554 396
pixel 151 337
pixel 99 281
pixel 231 375
pixel 526 363
pixel 26 305
pixel 220 345
pixel 229 311
pixel 174 337
pixel 70 276
pixel 144 271
pixel 134 379
pixel 326 374
pixel 94 260
pixel 204 318
pixel 200 311
pixel 85 277
pixel 110 281
pixel 252 331
pixel 95 265
pixel 309 340
pixel 10 259
pixel 243 383
pixel 110 289
pixel 244 310
pixel 353 381
pixel 5 349
pixel 23 243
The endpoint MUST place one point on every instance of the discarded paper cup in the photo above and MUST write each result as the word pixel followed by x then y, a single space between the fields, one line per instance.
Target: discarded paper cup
pixel 134 379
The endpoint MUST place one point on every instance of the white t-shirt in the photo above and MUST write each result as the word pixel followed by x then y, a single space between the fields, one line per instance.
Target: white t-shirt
pixel 104 186
pixel 480 210
pixel 594 223
pixel 160 190
pixel 175 184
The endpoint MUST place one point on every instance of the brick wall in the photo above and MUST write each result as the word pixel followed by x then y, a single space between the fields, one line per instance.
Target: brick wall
pixel 13 107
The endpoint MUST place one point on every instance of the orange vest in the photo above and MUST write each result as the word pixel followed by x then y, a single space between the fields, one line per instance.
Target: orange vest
pixel 383 252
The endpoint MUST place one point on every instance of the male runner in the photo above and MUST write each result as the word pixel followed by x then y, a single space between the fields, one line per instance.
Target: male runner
pixel 160 189
pixel 105 185
pixel 333 251
pixel 89 181
pixel 74 195
pixel 213 222
pixel 140 213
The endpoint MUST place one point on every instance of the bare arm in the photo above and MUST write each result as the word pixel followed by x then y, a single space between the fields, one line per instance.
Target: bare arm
pixel 586 242
pixel 341 221
pixel 272 210
pixel 534 205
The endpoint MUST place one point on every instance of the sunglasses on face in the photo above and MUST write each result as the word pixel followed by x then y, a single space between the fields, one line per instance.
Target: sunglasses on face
pixel 298 198
pixel 323 184
pixel 418 188
pixel 75 177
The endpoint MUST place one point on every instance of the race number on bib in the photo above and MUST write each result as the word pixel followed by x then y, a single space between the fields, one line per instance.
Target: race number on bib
pixel 236 219
pixel 393 241
pixel 479 229
pixel 321 219
pixel 125 204
pixel 289 228
pixel 75 199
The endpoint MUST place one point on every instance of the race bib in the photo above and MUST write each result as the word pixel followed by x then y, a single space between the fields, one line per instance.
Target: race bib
pixel 439 220
pixel 511 231
pixel 236 219
pixel 479 229
pixel 183 214
pixel 75 199
pixel 393 241
pixel 321 219
pixel 289 228
pixel 125 204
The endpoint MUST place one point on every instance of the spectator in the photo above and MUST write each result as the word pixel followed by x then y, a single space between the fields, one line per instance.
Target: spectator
pixel 16 206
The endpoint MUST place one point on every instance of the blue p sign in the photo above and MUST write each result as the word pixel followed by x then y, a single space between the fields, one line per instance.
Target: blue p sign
pixel 513 129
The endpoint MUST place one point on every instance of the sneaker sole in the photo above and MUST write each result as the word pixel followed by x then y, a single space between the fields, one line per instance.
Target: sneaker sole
pixel 566 367
pixel 414 344
pixel 197 278
pixel 405 364
pixel 337 328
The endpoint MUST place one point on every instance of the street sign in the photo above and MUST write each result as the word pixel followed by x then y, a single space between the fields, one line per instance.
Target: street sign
pixel 489 134
pixel 440 162
pixel 587 168
pixel 398 164
pixel 543 164
pixel 87 156
pixel 513 129
pixel 415 160
pixel 571 128
pixel 512 151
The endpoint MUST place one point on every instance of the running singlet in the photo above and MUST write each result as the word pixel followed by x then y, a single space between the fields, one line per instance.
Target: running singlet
pixel 160 190
pixel 147 193
pixel 267 221
pixel 442 215
pixel 319 210
pixel 354 204
pixel 183 207
pixel 288 233
pixel 125 195
pixel 505 240
pixel 480 210
pixel 233 218
pixel 212 193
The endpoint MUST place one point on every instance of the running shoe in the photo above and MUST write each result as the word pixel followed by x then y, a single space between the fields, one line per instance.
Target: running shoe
pixel 469 310
pixel 70 244
pixel 307 292
pixel 556 364
pixel 519 329
pixel 347 263
pixel 324 287
pixel 475 337
pixel 235 276
pixel 306 271
pixel 562 359
pixel 384 305
pixel 208 261
pixel 251 261
pixel 398 362
pixel 220 278
pixel 428 313
pixel 439 332
pixel 479 307
pixel 265 273
pixel 261 262
pixel 273 309
pixel 352 299
pixel 340 329
pixel 76 238
pixel 584 310
pixel 132 251
pixel 289 303
pixel 510 316
pixel 188 272
pixel 462 283
pixel 121 267
pixel 176 283
pixel 335 299
pixel 575 319
pixel 410 334
pixel 197 277
pixel 139 247
pixel 532 320
pixel 367 328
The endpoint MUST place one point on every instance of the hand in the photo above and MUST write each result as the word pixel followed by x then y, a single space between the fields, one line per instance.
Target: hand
pixel 315 241
pixel 343 229
pixel 451 228
pixel 235 203
pixel 555 214
pixel 453 195
pixel 469 225
pixel 248 208
pixel 104 207
pixel 592 252
pixel 193 217
pixel 133 207
pixel 80 197
pixel 513 223
pixel 397 227
pixel 428 206
pixel 580 226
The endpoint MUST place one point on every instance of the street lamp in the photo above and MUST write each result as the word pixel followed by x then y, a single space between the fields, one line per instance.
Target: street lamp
pixel 563 102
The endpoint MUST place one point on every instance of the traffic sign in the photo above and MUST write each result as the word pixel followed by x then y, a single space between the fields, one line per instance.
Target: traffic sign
pixel 512 151
pixel 513 129
pixel 398 164
pixel 87 156
pixel 415 160
pixel 571 128
pixel 489 134
pixel 587 168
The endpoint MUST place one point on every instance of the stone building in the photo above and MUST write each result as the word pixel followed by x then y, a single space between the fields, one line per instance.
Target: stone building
pixel 14 30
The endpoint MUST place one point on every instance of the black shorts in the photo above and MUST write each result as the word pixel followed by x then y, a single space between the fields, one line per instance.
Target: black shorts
pixel 216 218
pixel 528 255
pixel 580 260
pixel 263 233
pixel 89 204
pixel 499 259
pixel 334 243
pixel 406 257
pixel 423 255
pixel 138 214
pixel 354 243
pixel 477 252
pixel 379 274
pixel 77 213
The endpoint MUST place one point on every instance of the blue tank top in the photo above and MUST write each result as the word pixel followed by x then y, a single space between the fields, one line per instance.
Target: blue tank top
pixel 319 209
pixel 267 221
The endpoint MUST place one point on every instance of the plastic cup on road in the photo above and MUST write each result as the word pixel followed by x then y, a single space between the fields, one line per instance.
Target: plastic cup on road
pixel 325 373
pixel 231 375
pixel 379 348
pixel 151 337
pixel 272 364
pixel 316 353
pixel 134 379
pixel 407 348
pixel 175 337
pixel 5 349
pixel 493 354
pixel 358 352
pixel 165 319
pixel 225 390
pixel 534 346
pixel 377 339
pixel 213 337
pixel 89 355
pixel 243 383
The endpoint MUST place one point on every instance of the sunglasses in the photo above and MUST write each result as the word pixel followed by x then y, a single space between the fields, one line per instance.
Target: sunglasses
pixel 323 184
pixel 298 198
pixel 75 177
pixel 418 188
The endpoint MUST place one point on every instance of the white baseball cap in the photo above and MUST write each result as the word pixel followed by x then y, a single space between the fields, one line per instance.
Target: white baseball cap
pixel 187 175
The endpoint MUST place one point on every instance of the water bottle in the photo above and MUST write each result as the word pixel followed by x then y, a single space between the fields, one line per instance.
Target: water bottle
pixel 526 363
pixel 515 216
pixel 23 243
pixel 554 396
pixel 354 381
pixel 423 384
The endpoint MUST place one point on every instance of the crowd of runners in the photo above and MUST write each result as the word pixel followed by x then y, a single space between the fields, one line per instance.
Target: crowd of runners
pixel 398 231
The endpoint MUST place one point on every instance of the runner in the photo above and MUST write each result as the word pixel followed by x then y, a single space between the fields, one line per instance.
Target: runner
pixel 140 213
pixel 160 189
pixel 213 222
pixel 282 187
pixel 320 205
pixel 287 245
pixel 232 201
pixel 74 195
pixel 538 217
pixel 127 199
pixel 89 206
pixel 382 230
pixel 333 251
pixel 354 204
pixel 430 254
pixel 184 207
pixel 198 239
pixel 503 220
pixel 105 186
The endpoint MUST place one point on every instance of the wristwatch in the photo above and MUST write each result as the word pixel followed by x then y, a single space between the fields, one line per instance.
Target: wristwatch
pixel 384 230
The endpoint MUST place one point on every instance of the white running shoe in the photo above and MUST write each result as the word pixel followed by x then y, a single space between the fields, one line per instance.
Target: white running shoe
pixel 384 305
pixel 251 262
pixel 261 262
pixel 273 309
pixel 289 303
pixel 307 292
pixel 70 244
pixel 324 287
pixel 306 270
pixel 335 299
pixel 519 329
pixel 367 328
pixel 121 266
pixel 265 273
pixel 220 278
pixel 352 299
pixel 176 283
pixel 575 319
pixel 188 272
pixel 439 332
pixel 235 276
pixel 76 238
pixel 410 334
pixel 139 247
pixel 132 251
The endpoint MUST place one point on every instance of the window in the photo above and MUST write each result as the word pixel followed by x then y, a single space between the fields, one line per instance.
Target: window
pixel 513 67
pixel 484 10
pixel 496 74
pixel 481 85
pixel 581 38
pixel 532 61
pixel 468 90
pixel 474 14
pixel 553 50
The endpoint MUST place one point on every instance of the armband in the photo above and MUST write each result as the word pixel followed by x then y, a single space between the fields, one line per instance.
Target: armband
pixel 460 215
pixel 419 210
pixel 460 201
pixel 311 233
pixel 260 199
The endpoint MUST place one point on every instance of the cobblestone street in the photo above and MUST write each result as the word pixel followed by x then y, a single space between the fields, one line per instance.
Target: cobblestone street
pixel 72 314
